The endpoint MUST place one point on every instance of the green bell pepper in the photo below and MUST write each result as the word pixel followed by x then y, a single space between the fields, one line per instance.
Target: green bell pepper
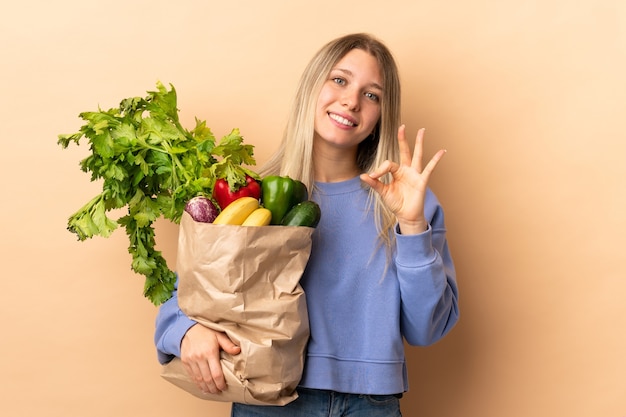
pixel 280 194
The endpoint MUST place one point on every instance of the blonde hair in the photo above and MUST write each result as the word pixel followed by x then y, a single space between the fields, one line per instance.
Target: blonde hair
pixel 294 155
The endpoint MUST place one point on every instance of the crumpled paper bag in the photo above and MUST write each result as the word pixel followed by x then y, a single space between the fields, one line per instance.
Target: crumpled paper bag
pixel 244 281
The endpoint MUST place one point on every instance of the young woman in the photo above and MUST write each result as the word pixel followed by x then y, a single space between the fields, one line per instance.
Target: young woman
pixel 380 270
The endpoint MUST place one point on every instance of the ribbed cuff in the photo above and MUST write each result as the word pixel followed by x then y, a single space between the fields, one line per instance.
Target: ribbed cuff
pixel 414 250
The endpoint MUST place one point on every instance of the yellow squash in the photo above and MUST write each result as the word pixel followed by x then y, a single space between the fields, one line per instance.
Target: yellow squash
pixel 237 211
pixel 259 217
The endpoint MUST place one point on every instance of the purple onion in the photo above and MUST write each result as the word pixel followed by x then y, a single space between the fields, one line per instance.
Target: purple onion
pixel 201 209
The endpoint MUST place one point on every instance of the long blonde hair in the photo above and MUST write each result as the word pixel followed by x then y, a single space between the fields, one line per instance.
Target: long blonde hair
pixel 294 157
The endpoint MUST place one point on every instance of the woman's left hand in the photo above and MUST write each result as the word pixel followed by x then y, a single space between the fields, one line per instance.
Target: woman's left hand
pixel 405 194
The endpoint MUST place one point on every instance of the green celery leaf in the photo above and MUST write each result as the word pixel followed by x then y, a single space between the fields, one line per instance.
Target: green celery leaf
pixel 150 163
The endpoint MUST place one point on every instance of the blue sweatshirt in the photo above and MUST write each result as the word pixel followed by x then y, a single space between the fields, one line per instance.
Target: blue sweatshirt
pixel 361 307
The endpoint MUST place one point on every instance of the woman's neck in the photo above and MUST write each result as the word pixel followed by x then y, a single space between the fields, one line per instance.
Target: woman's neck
pixel 334 165
pixel 334 175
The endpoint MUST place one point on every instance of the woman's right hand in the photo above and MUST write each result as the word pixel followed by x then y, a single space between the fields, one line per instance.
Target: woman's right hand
pixel 200 354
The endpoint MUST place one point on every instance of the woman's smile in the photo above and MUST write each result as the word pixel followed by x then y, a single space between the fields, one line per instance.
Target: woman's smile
pixel 343 120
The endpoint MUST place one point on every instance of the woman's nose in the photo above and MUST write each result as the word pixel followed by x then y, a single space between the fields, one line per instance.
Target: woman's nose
pixel 350 99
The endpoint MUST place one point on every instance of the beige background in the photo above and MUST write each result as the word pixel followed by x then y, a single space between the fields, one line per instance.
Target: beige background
pixel 528 98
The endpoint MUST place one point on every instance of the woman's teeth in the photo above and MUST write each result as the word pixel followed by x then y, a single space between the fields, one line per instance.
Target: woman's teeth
pixel 341 120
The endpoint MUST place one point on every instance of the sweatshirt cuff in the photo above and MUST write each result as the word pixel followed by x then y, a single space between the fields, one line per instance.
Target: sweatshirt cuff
pixel 414 250
pixel 171 343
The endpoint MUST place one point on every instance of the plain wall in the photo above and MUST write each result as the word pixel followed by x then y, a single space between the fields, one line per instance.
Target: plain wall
pixel 528 98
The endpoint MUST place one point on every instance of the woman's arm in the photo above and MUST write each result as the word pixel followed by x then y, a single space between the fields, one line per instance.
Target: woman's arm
pixel 427 279
pixel 171 326
pixel 197 346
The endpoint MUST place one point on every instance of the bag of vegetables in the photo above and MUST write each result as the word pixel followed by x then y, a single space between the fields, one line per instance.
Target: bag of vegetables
pixel 233 278
pixel 244 281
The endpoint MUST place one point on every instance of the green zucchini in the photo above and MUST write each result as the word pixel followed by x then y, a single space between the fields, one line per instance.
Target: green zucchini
pixel 306 213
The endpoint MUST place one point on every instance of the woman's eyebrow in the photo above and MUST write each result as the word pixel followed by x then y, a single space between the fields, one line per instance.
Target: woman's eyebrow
pixel 350 73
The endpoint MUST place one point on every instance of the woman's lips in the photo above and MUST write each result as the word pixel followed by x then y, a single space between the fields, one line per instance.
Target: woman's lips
pixel 343 120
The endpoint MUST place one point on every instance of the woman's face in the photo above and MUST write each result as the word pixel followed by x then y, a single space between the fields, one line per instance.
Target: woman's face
pixel 348 106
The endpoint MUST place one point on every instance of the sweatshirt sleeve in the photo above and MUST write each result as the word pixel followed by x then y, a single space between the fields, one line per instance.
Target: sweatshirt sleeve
pixel 171 326
pixel 427 278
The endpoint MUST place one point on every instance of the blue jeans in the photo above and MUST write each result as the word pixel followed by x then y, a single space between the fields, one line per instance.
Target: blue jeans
pixel 320 403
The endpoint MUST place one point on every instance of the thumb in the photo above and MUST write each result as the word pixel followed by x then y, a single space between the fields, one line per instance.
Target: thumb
pixel 227 345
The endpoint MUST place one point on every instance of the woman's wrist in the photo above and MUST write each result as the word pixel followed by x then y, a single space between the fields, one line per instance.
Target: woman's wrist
pixel 413 228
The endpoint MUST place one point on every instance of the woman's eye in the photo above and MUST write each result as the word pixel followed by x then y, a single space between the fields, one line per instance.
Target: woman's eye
pixel 372 96
pixel 339 81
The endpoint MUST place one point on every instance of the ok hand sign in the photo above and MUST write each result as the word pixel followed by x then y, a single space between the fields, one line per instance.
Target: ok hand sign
pixel 405 194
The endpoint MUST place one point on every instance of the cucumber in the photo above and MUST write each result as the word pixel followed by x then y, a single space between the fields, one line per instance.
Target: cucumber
pixel 307 213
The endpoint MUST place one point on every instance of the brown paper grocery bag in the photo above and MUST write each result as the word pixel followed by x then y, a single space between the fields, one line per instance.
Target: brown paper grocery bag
pixel 244 281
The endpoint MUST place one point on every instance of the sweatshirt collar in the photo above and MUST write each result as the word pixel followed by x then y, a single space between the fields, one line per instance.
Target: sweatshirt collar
pixel 342 187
